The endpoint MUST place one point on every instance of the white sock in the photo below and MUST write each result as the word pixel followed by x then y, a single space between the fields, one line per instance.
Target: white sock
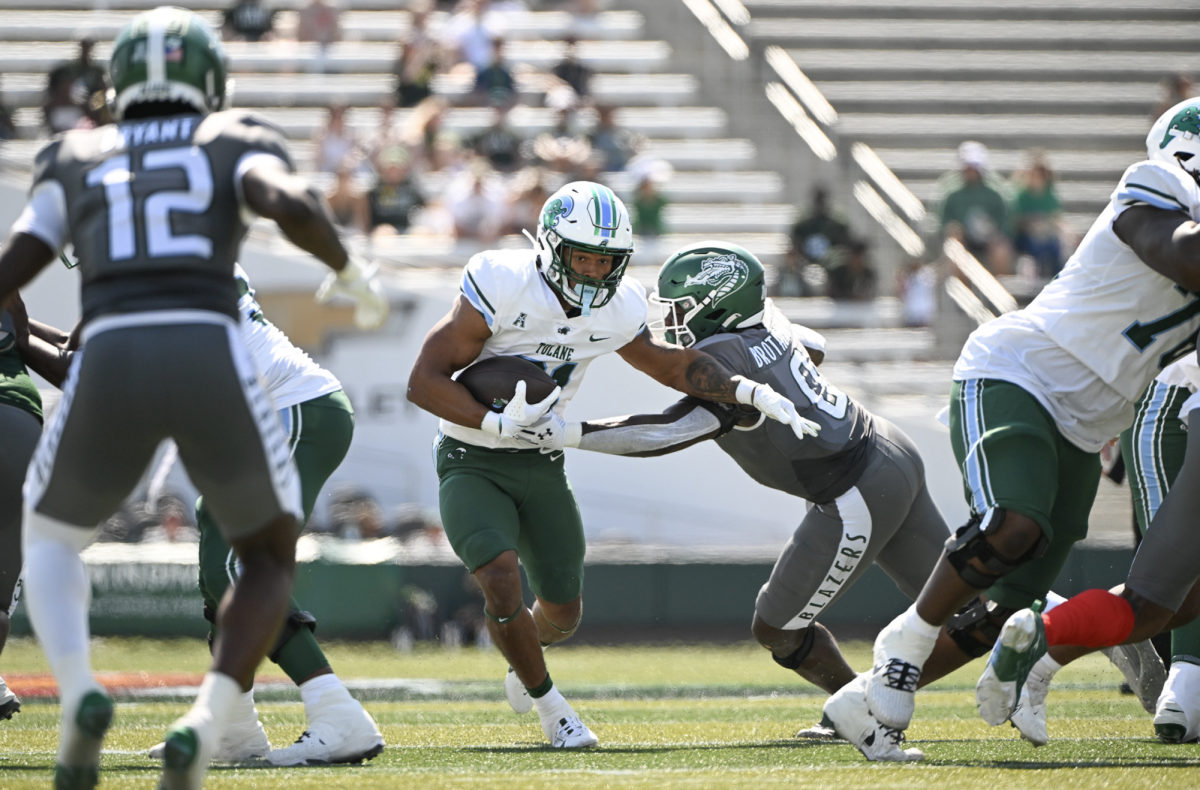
pixel 218 695
pixel 917 639
pixel 58 595
pixel 551 707
pixel 1053 599
pixel 241 709
pixel 322 689
pixel 1046 667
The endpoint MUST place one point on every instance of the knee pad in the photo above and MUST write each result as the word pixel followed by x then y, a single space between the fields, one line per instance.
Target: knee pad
pixel 38 528
pixel 296 620
pixel 977 626
pixel 970 542
pixel 797 657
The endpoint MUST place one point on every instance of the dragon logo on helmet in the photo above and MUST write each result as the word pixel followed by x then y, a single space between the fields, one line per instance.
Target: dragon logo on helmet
pixel 1184 123
pixel 557 208
pixel 724 273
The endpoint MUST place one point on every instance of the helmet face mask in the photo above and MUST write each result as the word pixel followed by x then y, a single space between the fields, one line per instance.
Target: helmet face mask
pixel 168 55
pixel 1175 137
pixel 708 288
pixel 584 217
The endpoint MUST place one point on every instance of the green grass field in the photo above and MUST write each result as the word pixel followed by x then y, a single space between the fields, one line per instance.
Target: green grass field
pixel 667 718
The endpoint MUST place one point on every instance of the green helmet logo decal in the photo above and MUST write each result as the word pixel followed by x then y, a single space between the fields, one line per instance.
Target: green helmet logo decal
pixel 723 273
pixel 559 207
pixel 1184 123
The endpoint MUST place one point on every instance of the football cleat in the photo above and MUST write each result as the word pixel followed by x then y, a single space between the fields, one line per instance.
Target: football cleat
pixel 185 759
pixel 10 703
pixel 518 696
pixel 1022 642
pixel 78 767
pixel 336 734
pixel 1029 717
pixel 822 731
pixel 1143 671
pixel 1177 714
pixel 847 711
pixel 1170 723
pixel 244 740
pixel 892 683
pixel 571 733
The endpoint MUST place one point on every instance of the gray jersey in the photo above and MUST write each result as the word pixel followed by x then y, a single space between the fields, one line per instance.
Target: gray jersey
pixel 154 208
pixel 818 468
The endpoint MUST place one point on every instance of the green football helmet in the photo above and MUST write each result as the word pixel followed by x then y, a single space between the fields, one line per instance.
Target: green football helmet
pixel 167 55
pixel 708 288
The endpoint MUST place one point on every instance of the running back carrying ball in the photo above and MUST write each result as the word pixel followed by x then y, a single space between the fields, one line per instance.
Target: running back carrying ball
pixel 493 381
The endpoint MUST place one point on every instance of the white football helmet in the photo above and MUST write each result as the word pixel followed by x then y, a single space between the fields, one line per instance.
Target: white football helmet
pixel 1175 137
pixel 585 216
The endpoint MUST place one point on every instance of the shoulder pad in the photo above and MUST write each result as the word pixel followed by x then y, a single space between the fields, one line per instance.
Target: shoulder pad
pixel 1159 185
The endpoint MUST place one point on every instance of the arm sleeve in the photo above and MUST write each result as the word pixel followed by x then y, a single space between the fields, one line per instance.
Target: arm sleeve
pixel 1161 186
pixel 645 435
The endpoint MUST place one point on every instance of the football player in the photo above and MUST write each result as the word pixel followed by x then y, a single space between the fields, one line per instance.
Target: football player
pixel 156 207
pixel 863 475
pixel 319 423
pixel 20 427
pixel 1036 394
pixel 561 305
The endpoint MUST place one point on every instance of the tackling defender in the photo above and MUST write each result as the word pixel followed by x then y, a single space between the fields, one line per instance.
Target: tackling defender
pixel 864 476
pixel 157 206
pixel 560 305
pixel 1037 393
pixel 319 423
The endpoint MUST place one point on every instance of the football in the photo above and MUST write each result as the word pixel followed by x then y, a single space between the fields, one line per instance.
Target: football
pixel 493 381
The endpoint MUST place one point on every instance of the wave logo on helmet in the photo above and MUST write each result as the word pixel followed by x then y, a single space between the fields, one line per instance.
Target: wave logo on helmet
pixel 1185 123
pixel 724 273
pixel 556 209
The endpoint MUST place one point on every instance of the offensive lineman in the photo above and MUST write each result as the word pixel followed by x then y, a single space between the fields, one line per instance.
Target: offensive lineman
pixel 560 305
pixel 863 475
pixel 319 422
pixel 156 207
pixel 1036 394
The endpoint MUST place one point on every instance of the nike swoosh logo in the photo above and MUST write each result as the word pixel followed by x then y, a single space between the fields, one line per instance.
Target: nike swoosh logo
pixel 595 339
pixel 555 456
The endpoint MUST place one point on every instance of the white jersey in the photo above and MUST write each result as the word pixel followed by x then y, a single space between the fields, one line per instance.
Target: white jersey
pixel 1184 373
pixel 527 320
pixel 288 374
pixel 1092 340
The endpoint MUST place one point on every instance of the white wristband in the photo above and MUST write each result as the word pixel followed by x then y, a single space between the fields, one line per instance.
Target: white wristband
pixel 573 435
pixel 491 424
pixel 745 391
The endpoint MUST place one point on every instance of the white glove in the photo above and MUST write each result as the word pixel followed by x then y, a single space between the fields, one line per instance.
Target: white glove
pixel 360 282
pixel 775 406
pixel 551 434
pixel 518 413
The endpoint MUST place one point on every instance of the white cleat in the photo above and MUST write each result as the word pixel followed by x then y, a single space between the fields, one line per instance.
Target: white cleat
pixel 186 754
pixel 244 740
pixel 1143 670
pixel 892 682
pixel 571 733
pixel 1177 714
pixel 851 718
pixel 1170 723
pixel 10 703
pixel 1021 645
pixel 341 733
pixel 518 696
pixel 1029 717
pixel 823 731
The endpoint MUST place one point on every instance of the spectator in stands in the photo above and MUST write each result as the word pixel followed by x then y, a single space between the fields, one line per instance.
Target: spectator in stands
pixel 1176 88
pixel 529 194
pixel 334 142
pixel 616 145
pixel 417 62
pixel 916 285
pixel 348 202
pixel 821 236
pixel 174 525
pixel 978 201
pixel 500 144
pixel 248 20
pixel 386 134
pixel 1038 215
pixel 468 37
pixel 494 83
pixel 648 208
pixel 477 204
pixel 854 280
pixel 395 196
pixel 319 22
pixel 75 91
pixel 571 71
pixel 563 148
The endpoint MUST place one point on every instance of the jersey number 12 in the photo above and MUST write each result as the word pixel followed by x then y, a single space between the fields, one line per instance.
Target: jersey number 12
pixel 115 175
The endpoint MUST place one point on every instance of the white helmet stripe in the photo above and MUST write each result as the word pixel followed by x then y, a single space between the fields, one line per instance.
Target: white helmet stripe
pixel 156 64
